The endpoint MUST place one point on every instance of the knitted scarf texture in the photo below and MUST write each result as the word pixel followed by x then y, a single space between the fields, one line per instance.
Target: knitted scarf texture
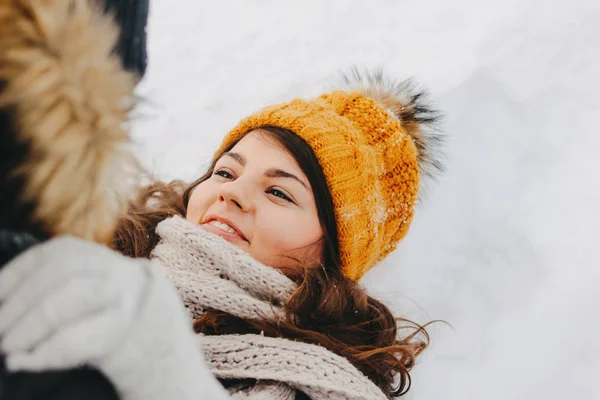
pixel 211 273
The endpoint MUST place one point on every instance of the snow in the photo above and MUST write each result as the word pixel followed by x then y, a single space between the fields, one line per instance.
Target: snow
pixel 503 247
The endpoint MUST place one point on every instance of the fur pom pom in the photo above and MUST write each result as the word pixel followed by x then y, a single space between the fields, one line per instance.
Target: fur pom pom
pixel 409 105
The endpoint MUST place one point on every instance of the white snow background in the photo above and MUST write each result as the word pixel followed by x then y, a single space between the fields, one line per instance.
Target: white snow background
pixel 503 247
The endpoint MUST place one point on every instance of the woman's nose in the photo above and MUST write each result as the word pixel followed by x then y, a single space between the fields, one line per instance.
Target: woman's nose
pixel 236 194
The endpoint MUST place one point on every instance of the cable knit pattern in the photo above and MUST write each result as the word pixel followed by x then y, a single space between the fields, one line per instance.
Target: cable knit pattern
pixel 211 273
pixel 312 369
pixel 265 390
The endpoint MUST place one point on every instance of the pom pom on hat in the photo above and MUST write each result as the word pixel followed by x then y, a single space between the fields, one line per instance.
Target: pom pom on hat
pixel 410 106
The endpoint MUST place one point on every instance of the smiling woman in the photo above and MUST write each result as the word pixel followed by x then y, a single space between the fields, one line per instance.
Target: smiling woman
pixel 320 190
pixel 255 193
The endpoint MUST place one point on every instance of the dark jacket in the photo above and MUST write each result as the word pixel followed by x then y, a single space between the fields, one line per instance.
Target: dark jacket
pixel 132 16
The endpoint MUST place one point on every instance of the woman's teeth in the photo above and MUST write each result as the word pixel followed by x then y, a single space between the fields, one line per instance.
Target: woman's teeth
pixel 222 226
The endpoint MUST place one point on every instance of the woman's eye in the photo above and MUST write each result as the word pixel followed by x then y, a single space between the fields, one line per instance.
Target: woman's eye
pixel 280 194
pixel 224 174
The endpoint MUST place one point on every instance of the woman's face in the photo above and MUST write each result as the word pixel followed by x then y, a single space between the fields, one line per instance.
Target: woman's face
pixel 259 199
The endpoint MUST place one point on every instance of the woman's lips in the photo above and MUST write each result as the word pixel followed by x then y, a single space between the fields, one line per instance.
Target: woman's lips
pixel 228 235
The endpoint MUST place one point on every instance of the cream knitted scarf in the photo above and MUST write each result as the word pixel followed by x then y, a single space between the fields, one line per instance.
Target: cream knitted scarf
pixel 211 273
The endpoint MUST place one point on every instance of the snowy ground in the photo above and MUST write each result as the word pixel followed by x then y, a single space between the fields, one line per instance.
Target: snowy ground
pixel 503 248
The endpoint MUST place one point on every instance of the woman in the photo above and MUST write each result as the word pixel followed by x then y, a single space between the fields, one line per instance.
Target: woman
pixel 308 196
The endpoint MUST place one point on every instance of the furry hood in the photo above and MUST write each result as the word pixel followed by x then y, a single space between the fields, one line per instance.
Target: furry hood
pixel 65 162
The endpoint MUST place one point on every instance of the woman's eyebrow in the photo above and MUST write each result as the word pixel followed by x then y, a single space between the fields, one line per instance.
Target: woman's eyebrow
pixel 270 173
pixel 278 173
pixel 237 157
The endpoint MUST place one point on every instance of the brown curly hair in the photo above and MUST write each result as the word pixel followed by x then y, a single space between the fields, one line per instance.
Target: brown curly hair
pixel 327 308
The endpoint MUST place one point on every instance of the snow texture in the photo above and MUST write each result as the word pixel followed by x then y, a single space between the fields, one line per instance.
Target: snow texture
pixel 503 247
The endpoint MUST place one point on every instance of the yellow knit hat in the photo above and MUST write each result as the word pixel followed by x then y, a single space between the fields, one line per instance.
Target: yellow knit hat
pixel 374 142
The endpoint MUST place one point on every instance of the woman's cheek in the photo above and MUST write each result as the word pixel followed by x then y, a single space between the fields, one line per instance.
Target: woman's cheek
pixel 200 201
pixel 289 233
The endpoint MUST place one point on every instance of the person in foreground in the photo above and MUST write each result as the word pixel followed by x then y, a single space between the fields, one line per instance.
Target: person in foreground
pixel 266 250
